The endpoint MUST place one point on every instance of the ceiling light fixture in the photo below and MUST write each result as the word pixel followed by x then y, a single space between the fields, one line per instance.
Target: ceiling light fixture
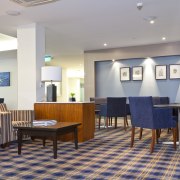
pixel 139 5
pixel 163 38
pixel 13 13
pixel 29 3
pixel 150 19
pixel 105 44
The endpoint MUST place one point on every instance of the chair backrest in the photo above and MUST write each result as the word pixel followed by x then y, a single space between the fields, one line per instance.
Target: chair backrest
pixel 116 106
pixel 98 102
pixel 164 100
pixel 156 100
pixel 141 109
pixel 3 107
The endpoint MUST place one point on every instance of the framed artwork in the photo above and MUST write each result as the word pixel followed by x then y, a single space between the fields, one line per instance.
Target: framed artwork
pixel 160 72
pixel 125 73
pixel 174 71
pixel 4 78
pixel 137 73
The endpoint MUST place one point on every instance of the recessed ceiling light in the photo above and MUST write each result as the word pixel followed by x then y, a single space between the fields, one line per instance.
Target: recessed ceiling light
pixel 13 13
pixel 105 44
pixel 163 38
pixel 113 60
pixel 150 19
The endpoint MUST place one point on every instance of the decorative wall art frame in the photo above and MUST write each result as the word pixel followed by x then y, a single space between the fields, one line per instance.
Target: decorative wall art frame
pixel 4 78
pixel 160 72
pixel 174 71
pixel 125 73
pixel 137 73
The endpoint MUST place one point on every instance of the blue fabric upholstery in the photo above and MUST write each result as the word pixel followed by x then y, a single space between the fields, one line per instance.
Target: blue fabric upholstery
pixel 145 116
pixel 115 107
pixel 156 100
pixel 164 100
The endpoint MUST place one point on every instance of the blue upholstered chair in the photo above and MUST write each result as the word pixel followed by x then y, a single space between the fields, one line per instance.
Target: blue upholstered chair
pixel 156 100
pixel 115 107
pixel 164 100
pixel 144 115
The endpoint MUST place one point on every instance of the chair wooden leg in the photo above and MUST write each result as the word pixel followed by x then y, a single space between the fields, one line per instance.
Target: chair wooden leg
pixel 125 119
pixel 107 122
pixel 99 121
pixel 132 136
pixel 153 140
pixel 157 135
pixel 174 137
pixel 115 122
pixel 177 132
pixel 140 133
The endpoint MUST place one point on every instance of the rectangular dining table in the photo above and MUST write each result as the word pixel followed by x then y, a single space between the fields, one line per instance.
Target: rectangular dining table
pixel 172 105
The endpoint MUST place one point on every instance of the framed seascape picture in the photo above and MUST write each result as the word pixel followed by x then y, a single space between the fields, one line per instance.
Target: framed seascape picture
pixel 137 73
pixel 174 71
pixel 160 72
pixel 125 74
pixel 4 78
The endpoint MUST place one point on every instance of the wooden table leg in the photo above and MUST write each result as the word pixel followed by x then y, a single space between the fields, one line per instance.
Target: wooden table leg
pixel 44 141
pixel 55 146
pixel 76 137
pixel 19 134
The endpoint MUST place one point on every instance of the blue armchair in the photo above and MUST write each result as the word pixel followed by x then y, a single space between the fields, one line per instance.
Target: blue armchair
pixel 115 107
pixel 144 115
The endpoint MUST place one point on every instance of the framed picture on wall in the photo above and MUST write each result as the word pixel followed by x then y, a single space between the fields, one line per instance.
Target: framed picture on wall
pixel 174 71
pixel 137 73
pixel 160 72
pixel 125 73
pixel 4 78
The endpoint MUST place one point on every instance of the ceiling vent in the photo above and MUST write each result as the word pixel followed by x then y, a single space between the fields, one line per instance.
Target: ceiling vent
pixel 29 3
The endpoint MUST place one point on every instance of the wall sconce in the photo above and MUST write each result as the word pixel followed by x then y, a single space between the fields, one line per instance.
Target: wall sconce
pixel 51 74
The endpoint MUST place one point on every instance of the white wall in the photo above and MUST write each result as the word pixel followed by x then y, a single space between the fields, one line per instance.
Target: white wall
pixel 8 63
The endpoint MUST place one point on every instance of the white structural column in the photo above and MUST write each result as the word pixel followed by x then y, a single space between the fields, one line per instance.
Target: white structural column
pixel 30 59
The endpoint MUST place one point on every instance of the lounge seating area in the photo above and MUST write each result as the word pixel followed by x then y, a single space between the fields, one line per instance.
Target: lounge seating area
pixel 92 158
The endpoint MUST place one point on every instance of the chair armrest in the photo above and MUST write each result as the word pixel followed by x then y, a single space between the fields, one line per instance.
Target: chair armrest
pixel 163 118
pixel 24 116
pixel 5 127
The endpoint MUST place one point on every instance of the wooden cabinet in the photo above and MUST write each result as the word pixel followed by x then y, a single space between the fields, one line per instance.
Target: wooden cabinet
pixel 82 112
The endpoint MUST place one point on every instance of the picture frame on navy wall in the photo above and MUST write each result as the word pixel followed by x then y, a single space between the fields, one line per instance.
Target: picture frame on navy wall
pixel 137 73
pixel 161 72
pixel 125 74
pixel 174 71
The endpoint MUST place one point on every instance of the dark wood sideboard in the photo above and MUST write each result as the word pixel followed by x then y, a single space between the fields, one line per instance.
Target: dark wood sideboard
pixel 82 112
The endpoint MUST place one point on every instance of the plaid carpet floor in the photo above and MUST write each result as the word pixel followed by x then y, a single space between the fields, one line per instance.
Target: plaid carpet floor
pixel 107 156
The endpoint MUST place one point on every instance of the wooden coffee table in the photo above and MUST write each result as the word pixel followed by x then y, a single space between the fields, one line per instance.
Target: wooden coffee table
pixel 52 131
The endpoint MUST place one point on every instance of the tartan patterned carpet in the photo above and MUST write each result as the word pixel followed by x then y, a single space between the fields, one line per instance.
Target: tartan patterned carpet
pixel 107 156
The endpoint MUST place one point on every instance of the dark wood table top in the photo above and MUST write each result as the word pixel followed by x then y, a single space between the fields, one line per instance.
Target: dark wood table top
pixel 55 127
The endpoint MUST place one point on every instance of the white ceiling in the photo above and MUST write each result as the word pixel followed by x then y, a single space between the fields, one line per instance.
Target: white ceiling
pixel 74 26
